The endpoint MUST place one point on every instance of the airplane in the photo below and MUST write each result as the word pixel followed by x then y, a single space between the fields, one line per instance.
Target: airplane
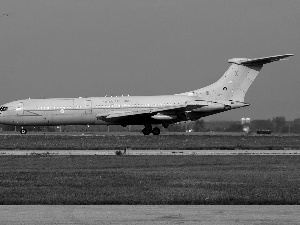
pixel 225 94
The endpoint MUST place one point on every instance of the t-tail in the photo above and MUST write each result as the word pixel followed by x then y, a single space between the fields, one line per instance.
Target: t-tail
pixel 235 82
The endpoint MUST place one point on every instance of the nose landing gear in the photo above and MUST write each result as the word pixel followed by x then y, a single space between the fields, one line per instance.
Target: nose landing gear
pixel 23 131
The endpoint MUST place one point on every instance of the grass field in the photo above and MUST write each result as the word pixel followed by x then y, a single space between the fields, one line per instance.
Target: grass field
pixel 119 142
pixel 150 180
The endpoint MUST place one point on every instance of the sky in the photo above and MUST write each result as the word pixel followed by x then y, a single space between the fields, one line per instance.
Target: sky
pixel 85 48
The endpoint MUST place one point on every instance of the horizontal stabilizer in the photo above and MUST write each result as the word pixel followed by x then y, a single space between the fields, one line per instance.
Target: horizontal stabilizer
pixel 258 61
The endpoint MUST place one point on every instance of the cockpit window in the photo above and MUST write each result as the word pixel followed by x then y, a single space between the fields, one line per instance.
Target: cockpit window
pixel 3 108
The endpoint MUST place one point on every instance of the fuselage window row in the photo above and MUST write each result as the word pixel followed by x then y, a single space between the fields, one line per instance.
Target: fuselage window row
pixel 3 108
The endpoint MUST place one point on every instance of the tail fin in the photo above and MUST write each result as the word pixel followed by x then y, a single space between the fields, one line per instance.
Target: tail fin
pixel 235 82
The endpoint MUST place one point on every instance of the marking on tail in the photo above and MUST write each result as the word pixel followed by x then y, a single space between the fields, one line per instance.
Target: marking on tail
pixel 235 82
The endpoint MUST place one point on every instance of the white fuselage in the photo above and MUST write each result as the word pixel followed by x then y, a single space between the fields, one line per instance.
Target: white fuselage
pixel 83 111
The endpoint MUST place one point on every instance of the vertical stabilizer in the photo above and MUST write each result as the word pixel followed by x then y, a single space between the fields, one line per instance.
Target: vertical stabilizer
pixel 235 82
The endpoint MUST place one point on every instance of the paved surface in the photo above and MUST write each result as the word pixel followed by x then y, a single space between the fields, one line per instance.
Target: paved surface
pixel 121 133
pixel 151 152
pixel 42 215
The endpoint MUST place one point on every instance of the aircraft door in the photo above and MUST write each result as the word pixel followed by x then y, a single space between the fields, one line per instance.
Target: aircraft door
pixel 20 109
pixel 88 106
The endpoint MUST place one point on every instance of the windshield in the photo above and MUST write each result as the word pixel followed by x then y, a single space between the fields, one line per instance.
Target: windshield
pixel 3 108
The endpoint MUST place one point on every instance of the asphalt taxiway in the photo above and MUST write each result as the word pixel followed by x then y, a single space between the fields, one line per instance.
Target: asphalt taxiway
pixel 134 214
pixel 150 152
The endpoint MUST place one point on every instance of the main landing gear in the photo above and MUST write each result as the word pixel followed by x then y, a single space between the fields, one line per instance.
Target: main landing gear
pixel 23 131
pixel 148 130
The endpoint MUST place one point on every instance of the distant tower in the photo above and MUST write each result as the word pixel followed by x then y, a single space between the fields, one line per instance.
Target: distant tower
pixel 245 122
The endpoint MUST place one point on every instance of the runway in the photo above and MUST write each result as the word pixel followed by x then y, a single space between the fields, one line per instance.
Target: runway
pixel 149 152
pixel 130 214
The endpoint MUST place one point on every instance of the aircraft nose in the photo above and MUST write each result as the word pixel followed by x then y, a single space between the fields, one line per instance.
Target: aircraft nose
pixel 1 117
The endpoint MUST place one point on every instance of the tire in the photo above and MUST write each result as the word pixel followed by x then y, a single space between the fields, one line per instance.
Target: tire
pixel 156 131
pixel 23 131
pixel 146 131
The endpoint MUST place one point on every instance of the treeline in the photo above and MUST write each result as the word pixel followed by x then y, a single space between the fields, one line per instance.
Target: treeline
pixel 275 125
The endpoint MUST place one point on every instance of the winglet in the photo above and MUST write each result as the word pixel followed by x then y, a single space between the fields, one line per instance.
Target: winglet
pixel 258 61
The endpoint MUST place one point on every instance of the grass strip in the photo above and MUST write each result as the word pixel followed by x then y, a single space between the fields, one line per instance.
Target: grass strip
pixel 174 142
pixel 149 180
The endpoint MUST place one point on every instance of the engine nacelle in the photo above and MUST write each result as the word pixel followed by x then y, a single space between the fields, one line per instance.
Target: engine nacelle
pixel 163 117
pixel 212 107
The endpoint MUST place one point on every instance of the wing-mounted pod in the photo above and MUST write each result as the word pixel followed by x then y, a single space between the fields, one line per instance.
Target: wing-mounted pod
pixel 160 116
pixel 207 106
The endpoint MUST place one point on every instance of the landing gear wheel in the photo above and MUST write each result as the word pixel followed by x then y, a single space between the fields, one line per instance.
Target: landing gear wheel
pixel 156 131
pixel 146 131
pixel 23 131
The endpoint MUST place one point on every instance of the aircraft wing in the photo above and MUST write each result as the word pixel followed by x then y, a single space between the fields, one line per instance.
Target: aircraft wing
pixel 188 106
pixel 117 114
